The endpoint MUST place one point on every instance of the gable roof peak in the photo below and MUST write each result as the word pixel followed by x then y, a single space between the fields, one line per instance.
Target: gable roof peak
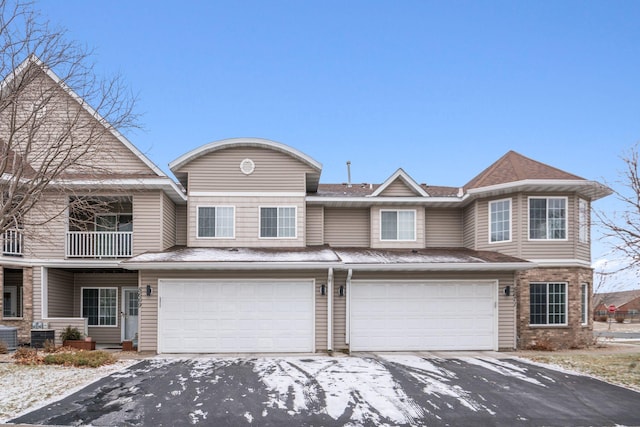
pixel 406 179
pixel 512 167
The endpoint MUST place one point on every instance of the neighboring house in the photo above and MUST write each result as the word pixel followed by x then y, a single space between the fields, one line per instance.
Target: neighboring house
pixel 250 253
pixel 627 304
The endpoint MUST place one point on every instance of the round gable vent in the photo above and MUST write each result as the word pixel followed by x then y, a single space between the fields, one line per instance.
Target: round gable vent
pixel 247 166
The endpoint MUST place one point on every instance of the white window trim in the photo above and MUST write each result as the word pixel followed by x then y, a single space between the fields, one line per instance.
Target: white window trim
pixel 566 306
pixel 510 221
pixel 295 226
pixel 584 224
pixel 82 305
pixel 584 296
pixel 566 218
pixel 415 225
pixel 233 234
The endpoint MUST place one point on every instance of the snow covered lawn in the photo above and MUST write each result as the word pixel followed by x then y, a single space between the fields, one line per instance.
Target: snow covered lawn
pixel 25 388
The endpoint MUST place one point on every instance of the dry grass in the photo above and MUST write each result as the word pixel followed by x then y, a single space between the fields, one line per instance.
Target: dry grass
pixel 622 368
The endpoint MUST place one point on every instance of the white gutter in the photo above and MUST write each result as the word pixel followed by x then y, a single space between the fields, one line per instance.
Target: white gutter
pixel 330 310
pixel 212 265
pixel 348 307
pixel 503 266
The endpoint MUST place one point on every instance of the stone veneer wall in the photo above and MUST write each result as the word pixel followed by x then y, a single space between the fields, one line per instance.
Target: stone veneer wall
pixel 574 334
pixel 23 324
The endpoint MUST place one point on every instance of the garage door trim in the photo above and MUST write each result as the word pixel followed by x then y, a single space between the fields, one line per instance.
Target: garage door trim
pixel 165 282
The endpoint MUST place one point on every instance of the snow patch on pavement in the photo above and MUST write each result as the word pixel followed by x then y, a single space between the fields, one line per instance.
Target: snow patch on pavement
pixel 361 388
pixel 503 368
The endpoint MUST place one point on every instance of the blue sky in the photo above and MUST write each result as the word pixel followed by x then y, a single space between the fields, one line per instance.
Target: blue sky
pixel 441 89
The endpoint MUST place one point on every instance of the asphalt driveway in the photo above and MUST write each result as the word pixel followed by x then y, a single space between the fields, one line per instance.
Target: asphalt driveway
pixel 396 390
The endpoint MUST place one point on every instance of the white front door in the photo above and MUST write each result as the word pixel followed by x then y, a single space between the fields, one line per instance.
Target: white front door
pixel 129 313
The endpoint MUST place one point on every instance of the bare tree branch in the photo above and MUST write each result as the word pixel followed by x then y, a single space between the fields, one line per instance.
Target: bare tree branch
pixel 55 116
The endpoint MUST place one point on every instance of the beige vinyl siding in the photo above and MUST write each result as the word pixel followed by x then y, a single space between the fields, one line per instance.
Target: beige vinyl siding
pixel 506 305
pixel 63 113
pixel 398 189
pixel 469 221
pixel 339 311
pixel 583 250
pixel 103 334
pixel 443 228
pixel 60 292
pixel 315 225
pixel 181 225
pixel 147 223
pixel 376 242
pixel 220 171
pixel 345 227
pixel 548 249
pixel 149 308
pixel 168 222
pixel 46 227
pixel 483 227
pixel 247 221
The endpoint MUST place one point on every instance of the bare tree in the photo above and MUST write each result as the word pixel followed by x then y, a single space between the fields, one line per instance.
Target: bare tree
pixel 54 117
pixel 621 228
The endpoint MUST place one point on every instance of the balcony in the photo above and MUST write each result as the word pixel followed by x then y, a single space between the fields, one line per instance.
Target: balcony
pixel 99 244
pixel 12 242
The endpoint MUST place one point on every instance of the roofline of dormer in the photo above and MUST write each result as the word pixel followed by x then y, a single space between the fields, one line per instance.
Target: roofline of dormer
pixel 400 173
pixel 33 59
pixel 165 184
pixel 597 191
pixel 243 142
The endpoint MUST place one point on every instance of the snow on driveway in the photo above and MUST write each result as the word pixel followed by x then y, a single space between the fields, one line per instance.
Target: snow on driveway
pixel 376 390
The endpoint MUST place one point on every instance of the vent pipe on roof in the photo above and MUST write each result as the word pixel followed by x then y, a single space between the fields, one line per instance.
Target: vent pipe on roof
pixel 348 173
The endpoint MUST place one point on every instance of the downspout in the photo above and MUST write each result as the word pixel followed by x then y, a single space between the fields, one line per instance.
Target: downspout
pixel 330 311
pixel 347 309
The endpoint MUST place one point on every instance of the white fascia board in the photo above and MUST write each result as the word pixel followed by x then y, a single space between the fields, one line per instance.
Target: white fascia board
pixel 165 183
pixel 600 191
pixel 61 263
pixel 247 194
pixel 240 142
pixel 383 200
pixel 400 173
pixel 505 266
pixel 561 263
pixel 35 60
pixel 180 265
pixel 199 265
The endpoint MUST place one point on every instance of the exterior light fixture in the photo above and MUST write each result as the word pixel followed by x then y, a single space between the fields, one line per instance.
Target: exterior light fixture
pixel 323 290
pixel 507 290
pixel 148 290
pixel 341 290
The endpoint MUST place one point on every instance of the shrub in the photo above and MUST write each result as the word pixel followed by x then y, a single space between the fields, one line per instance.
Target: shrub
pixel 27 356
pixel 91 359
pixel 48 346
pixel 620 319
pixel 3 348
pixel 70 333
pixel 602 318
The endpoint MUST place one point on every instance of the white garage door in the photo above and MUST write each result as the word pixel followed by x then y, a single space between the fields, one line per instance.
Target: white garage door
pixel 216 316
pixel 396 316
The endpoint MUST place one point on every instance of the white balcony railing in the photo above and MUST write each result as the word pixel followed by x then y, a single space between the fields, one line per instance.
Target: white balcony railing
pixel 99 244
pixel 12 242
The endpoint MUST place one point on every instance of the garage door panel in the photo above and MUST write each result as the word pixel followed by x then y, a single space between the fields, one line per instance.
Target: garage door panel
pixel 422 316
pixel 236 316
